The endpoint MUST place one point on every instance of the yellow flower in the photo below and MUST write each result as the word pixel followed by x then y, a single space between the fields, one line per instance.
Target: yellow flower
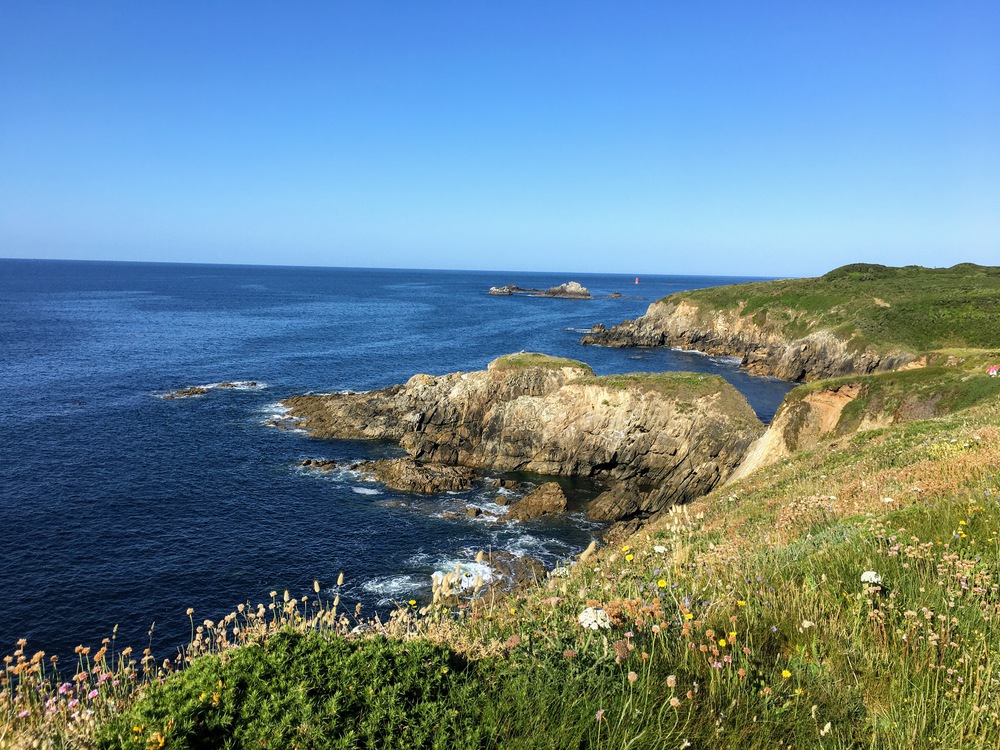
pixel 785 673
pixel 741 603
pixel 688 616
pixel 629 558
pixel 626 548
pixel 413 602
pixel 722 642
pixel 662 583
pixel 513 611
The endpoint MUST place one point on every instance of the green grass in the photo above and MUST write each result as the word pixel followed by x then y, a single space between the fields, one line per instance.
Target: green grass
pixel 524 360
pixel 739 620
pixel 913 308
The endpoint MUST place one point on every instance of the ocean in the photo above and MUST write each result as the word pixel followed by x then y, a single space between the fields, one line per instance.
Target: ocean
pixel 121 507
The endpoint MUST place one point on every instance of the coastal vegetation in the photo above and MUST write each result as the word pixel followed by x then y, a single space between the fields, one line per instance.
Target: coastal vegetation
pixel 844 594
pixel 915 308
pixel 847 596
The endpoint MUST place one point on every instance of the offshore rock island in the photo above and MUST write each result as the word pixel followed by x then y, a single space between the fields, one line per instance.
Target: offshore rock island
pixel 653 440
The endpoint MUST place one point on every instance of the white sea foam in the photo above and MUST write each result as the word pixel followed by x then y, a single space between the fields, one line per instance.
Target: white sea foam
pixel 394 588
pixel 276 414
pixel 366 491
pixel 468 572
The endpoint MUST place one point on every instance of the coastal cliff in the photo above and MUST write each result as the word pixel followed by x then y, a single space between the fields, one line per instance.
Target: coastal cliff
pixel 826 411
pixel 855 320
pixel 764 349
pixel 654 439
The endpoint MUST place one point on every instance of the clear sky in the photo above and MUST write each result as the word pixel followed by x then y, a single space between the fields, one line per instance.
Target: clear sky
pixel 758 138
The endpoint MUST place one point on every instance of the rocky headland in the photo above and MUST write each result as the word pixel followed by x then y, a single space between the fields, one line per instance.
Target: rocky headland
pixel 763 349
pixel 652 439
pixel 858 319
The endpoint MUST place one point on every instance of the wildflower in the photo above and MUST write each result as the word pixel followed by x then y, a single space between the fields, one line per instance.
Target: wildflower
pixel 872 577
pixel 659 549
pixel 785 673
pixel 632 677
pixel 741 603
pixel 413 602
pixel 594 618
pixel 92 694
pixel 626 548
pixel 722 642
pixel 675 702
pixel 661 583
pixel 629 558
pixel 671 681
pixel 806 624
pixel 599 715
pixel 24 714
pixel 688 616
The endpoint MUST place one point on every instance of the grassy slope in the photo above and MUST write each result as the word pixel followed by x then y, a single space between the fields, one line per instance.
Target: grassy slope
pixel 741 620
pixel 913 308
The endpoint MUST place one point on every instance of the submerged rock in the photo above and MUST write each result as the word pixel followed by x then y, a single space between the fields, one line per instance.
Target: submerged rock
pixel 656 439
pixel 195 390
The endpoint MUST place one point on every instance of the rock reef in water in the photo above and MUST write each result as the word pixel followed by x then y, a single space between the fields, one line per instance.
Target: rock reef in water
pixel 403 474
pixel 654 439
pixel 569 290
pixel 763 350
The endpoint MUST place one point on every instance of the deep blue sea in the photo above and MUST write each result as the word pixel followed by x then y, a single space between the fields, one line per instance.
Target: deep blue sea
pixel 118 506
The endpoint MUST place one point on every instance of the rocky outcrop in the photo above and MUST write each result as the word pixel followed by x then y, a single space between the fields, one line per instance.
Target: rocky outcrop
pixel 546 500
pixel 403 474
pixel 569 290
pixel 764 350
pixel 655 439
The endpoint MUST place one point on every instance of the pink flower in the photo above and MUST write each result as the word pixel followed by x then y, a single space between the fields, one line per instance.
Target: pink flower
pixel 92 694
pixel 24 714
pixel 65 689
pixel 599 715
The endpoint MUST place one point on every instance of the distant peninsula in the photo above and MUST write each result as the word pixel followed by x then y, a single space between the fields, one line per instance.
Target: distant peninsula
pixel 858 319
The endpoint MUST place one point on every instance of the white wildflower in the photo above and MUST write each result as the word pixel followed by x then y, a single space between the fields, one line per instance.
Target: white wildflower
pixel 594 618
pixel 872 577
pixel 826 729
pixel 659 549
pixel 806 624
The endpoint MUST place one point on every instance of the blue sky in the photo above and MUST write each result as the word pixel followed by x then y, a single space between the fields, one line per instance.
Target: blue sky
pixel 660 137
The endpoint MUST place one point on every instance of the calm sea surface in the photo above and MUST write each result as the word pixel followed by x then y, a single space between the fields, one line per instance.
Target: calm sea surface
pixel 119 506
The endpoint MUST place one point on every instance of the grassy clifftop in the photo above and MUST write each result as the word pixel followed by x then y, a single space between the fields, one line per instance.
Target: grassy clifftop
pixel 914 308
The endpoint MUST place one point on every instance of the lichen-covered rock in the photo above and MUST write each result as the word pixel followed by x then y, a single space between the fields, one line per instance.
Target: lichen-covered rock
pixel 657 438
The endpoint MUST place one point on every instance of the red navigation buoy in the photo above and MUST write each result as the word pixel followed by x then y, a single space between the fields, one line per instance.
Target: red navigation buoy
pixel 636 279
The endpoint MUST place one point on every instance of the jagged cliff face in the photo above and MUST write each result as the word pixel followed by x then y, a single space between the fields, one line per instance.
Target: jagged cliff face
pixel 656 439
pixel 764 349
